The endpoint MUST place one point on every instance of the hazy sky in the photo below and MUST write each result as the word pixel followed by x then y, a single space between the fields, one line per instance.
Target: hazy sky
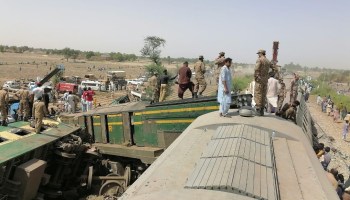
pixel 311 32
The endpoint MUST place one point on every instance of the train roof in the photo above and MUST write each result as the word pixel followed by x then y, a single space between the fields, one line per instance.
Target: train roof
pixel 236 158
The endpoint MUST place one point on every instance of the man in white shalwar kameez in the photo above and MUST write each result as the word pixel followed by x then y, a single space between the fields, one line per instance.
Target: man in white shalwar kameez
pixel 224 88
pixel 272 93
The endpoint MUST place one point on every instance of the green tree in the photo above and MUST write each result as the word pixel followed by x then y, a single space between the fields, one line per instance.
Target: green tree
pixel 67 53
pixel 89 54
pixel 74 54
pixel 151 48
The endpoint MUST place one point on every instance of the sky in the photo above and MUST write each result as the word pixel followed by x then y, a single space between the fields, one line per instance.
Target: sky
pixel 313 33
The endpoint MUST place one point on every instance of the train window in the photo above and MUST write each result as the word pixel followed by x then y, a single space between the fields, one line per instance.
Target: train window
pixel 19 131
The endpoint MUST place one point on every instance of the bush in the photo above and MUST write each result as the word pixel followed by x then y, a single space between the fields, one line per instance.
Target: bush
pixel 241 83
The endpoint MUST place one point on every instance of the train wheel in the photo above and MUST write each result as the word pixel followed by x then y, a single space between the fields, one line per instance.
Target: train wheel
pixel 112 188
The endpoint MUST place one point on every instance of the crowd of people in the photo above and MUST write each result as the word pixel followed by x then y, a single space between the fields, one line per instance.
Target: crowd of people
pixel 85 96
pixel 337 180
pixel 337 113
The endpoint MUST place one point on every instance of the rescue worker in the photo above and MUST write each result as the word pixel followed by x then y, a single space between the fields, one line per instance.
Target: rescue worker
pixel 3 105
pixel 199 84
pixel 71 102
pixel 153 83
pixel 289 111
pixel 107 83
pixel 24 109
pixel 281 95
pixel 40 112
pixel 219 61
pixel 164 80
pixel 294 88
pixel 184 81
pixel 261 76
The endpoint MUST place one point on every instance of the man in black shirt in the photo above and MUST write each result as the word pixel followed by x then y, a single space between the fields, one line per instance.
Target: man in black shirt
pixel 164 80
pixel 46 98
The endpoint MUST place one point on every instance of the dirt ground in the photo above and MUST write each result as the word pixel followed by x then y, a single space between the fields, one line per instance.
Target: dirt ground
pixel 329 133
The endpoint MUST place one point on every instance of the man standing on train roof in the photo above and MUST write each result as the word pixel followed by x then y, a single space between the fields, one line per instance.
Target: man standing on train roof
pixel 164 80
pixel 261 77
pixel 153 83
pixel 185 83
pixel 39 111
pixel 224 88
pixel 4 98
pixel 281 95
pixel 219 61
pixel 272 93
pixel 23 111
pixel 294 88
pixel 200 84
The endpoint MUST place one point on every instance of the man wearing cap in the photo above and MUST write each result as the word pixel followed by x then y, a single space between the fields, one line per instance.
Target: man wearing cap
pixel 39 111
pixel 23 111
pixel 185 83
pixel 153 83
pixel 261 77
pixel 164 80
pixel 199 84
pixel 294 89
pixel 219 61
pixel 4 97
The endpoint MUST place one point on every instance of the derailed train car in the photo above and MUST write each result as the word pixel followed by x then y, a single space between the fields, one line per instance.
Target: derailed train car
pixel 99 152
pixel 238 158
pixel 130 136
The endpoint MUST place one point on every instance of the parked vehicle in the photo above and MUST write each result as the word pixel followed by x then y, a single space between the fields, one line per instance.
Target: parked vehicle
pixel 63 87
pixel 94 85
pixel 135 82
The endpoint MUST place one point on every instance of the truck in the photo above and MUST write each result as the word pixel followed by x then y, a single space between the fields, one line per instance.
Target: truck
pixel 117 79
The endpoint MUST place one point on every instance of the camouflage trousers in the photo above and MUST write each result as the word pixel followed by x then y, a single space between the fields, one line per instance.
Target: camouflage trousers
pixel 162 92
pixel 38 124
pixel 217 75
pixel 293 96
pixel 155 95
pixel 3 110
pixel 280 101
pixel 23 108
pixel 260 91
pixel 199 85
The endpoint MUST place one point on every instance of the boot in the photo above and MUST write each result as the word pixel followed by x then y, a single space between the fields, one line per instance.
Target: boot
pixel 195 95
pixel 262 112
pixel 258 112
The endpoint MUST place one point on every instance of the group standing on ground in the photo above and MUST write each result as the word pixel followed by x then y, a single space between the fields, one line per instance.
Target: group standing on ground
pixel 339 112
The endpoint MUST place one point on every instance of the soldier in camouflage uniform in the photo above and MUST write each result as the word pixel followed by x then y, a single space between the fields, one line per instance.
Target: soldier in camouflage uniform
pixel 39 111
pixel 23 111
pixel 199 83
pixel 261 75
pixel 281 95
pixel 220 61
pixel 153 83
pixel 294 89
pixel 4 97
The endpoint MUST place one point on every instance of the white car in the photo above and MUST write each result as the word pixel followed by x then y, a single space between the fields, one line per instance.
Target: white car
pixel 135 82
pixel 11 84
pixel 94 85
